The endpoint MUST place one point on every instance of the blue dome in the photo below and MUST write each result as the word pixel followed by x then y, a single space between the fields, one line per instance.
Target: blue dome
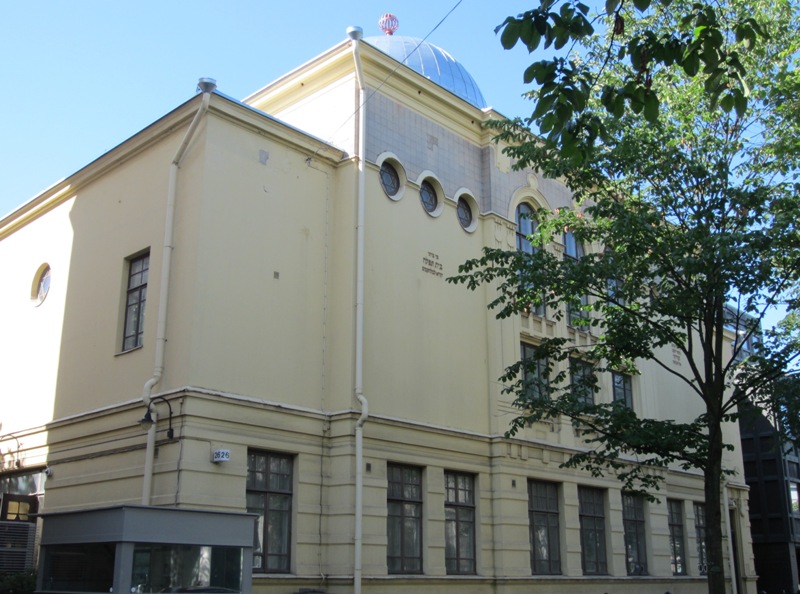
pixel 433 63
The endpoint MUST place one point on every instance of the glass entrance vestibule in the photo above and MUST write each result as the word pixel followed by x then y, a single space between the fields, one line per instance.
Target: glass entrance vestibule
pixel 140 549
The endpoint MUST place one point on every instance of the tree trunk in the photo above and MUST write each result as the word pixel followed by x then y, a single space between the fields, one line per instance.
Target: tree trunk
pixel 714 511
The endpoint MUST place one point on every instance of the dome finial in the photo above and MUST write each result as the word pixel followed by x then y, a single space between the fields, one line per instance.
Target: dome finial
pixel 388 23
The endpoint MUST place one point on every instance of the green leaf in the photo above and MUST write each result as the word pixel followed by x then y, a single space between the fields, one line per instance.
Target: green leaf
pixel 499 27
pixel 549 36
pixel 711 55
pixel 630 88
pixel 547 123
pixel 691 62
pixel 641 5
pixel 535 40
pixel 712 83
pixel 698 31
pixel 733 62
pixel 547 72
pixel 510 34
pixel 543 105
pixel 563 115
pixel 757 28
pixel 579 100
pixel 739 102
pixel 714 96
pixel 726 103
pixel 607 96
pixel 526 33
pixel 530 73
pixel 541 24
pixel 562 37
pixel 618 109
pixel 745 86
pixel 611 6
pixel 746 34
pixel 670 52
pixel 651 105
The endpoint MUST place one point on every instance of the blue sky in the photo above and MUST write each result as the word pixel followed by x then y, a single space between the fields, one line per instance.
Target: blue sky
pixel 80 77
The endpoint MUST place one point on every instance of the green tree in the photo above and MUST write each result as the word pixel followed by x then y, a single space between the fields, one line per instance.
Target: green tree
pixel 686 198
pixel 697 40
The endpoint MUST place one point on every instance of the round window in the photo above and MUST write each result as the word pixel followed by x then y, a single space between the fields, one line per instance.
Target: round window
pixel 427 194
pixel 390 180
pixel 464 213
pixel 43 286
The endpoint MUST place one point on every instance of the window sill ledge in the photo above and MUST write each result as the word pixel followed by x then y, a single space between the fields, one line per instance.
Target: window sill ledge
pixel 125 352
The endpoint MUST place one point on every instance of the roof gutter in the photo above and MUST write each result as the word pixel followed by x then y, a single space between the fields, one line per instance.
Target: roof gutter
pixel 207 86
pixel 355 34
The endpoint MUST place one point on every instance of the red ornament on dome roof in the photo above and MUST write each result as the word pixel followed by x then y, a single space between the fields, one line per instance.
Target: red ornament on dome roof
pixel 388 23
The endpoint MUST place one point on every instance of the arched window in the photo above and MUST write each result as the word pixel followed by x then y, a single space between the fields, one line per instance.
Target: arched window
pixel 526 225
pixel 572 247
pixel 577 309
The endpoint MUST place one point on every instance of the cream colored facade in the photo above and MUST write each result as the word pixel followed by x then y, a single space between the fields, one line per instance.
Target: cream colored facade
pixel 260 352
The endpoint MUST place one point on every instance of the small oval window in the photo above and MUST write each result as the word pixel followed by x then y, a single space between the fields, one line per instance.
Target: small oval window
pixel 390 180
pixel 42 285
pixel 427 194
pixel 464 213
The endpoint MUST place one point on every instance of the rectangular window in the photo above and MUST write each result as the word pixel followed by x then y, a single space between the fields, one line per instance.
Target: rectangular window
pixel 543 526
pixel 623 388
pixel 700 536
pixel 459 528
pixel 592 514
pixel 19 508
pixel 269 496
pixel 676 540
pixel 581 376
pixel 136 296
pixel 534 375
pixel 404 522
pixel 577 312
pixel 633 525
pixel 186 568
pixel 614 286
pixel 538 309
pixel 794 498
pixel 79 567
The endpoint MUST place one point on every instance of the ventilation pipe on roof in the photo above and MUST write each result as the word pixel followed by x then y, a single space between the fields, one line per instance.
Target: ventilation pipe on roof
pixel 355 34
pixel 206 86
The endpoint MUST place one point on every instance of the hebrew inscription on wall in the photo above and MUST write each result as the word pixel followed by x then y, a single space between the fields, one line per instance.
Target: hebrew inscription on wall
pixel 431 264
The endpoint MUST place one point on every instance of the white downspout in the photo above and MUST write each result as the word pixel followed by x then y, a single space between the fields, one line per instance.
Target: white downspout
pixel 731 548
pixel 355 34
pixel 207 86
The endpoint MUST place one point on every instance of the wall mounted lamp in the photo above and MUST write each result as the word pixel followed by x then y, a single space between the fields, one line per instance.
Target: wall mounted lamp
pixel 17 461
pixel 147 420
